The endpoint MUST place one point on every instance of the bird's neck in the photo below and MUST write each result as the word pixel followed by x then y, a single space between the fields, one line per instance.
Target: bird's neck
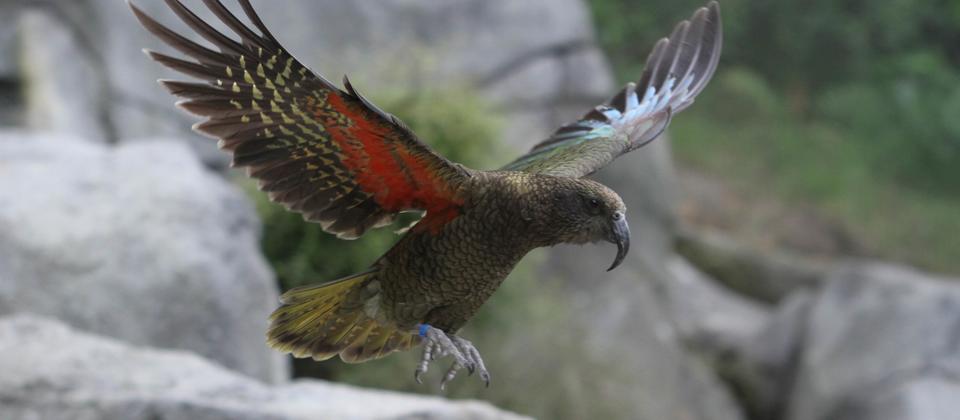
pixel 520 203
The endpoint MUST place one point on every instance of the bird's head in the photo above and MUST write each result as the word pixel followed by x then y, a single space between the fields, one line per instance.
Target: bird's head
pixel 581 210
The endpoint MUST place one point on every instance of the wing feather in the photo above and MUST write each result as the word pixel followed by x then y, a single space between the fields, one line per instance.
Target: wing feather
pixel 677 69
pixel 319 150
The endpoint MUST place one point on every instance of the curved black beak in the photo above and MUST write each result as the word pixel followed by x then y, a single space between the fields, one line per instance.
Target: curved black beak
pixel 620 235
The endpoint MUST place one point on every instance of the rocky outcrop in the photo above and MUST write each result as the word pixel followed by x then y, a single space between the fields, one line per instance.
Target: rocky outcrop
pixel 137 242
pixel 707 315
pixel 762 274
pixel 386 46
pixel 51 371
pixel 881 342
pixel 877 342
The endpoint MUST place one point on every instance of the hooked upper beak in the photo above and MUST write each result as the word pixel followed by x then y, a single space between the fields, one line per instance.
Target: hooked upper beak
pixel 620 235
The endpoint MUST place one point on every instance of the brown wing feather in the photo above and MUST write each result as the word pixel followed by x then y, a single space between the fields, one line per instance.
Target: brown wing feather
pixel 327 153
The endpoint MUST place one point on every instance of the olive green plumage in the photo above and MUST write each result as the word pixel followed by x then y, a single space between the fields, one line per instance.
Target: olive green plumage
pixel 339 160
pixel 443 278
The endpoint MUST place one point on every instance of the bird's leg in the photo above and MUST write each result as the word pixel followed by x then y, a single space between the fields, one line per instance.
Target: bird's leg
pixel 438 344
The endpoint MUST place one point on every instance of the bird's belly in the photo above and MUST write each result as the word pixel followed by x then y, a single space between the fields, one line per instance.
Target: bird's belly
pixel 443 279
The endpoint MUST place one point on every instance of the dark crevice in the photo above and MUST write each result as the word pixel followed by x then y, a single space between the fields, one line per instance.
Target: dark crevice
pixel 558 50
pixel 11 102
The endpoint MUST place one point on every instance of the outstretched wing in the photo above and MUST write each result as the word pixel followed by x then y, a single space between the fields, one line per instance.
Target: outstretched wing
pixel 324 152
pixel 677 69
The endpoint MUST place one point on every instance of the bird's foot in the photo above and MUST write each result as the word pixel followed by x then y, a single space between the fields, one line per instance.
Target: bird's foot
pixel 438 344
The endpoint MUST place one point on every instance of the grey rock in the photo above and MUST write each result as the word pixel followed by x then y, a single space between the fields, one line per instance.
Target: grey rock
pixel 514 52
pixel 920 398
pixel 51 371
pixel 764 367
pixel 139 243
pixel 649 371
pixel 11 101
pixel 63 89
pixel 708 315
pixel 8 42
pixel 763 274
pixel 882 342
pixel 775 348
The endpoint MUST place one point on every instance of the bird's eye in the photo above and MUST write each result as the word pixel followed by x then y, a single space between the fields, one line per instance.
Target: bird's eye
pixel 594 203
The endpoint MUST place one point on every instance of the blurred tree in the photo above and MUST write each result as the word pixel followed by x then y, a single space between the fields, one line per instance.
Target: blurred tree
pixel 841 102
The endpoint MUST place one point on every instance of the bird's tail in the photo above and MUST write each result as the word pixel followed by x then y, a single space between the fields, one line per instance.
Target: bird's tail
pixel 317 322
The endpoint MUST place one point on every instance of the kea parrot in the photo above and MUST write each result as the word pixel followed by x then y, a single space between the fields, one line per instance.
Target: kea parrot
pixel 344 163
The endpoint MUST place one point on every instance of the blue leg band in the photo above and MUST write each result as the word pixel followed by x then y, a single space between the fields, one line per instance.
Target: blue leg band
pixel 423 329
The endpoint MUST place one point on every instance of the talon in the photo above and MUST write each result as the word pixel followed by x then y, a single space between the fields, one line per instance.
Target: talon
pixel 438 344
pixel 451 373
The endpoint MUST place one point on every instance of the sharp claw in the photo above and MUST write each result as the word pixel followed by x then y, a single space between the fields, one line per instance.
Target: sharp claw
pixel 451 373
pixel 439 344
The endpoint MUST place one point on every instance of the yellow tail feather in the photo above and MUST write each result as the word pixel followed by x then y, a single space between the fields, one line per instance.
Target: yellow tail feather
pixel 314 322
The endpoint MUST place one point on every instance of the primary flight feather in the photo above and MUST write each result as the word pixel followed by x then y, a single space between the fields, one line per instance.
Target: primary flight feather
pixel 333 156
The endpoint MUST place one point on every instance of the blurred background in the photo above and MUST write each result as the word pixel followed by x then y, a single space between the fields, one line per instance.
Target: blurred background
pixel 798 228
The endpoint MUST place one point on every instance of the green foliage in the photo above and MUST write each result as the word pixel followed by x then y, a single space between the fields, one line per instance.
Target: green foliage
pixel 908 126
pixel 851 105
pixel 771 151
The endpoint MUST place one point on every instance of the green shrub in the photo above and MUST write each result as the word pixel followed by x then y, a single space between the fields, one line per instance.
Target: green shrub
pixel 908 126
pixel 851 106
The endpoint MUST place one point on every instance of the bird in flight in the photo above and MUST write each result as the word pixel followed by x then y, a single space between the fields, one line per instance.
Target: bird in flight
pixel 344 163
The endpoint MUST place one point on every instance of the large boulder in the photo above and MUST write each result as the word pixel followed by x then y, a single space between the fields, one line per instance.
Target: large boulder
pixel 626 325
pixel 877 342
pixel 51 371
pixel 707 315
pixel 137 242
pixel 881 342
pixel 61 98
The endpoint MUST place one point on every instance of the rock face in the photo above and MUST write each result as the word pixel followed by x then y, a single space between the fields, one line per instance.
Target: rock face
pixel 881 342
pixel 629 330
pixel 708 315
pixel 60 98
pixel 877 342
pixel 51 371
pixel 386 46
pixel 138 243
pixel 762 274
